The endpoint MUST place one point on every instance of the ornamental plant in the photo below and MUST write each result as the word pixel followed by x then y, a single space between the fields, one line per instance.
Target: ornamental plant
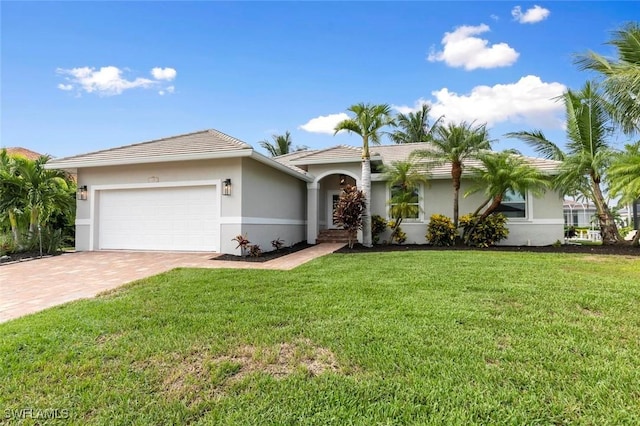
pixel 243 243
pixel 441 231
pixel 378 226
pixel 484 233
pixel 349 210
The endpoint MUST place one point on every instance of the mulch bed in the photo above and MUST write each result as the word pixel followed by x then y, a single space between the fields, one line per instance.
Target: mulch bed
pixel 264 257
pixel 623 249
pixel 24 256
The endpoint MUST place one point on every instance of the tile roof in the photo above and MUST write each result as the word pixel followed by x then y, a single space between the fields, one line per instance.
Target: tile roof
pixel 190 144
pixel 23 152
pixel 390 153
pixel 335 154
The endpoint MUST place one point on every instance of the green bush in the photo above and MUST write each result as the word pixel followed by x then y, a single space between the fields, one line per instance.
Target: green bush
pixel 7 245
pixel 378 226
pixel 440 231
pixel 484 233
pixel 398 236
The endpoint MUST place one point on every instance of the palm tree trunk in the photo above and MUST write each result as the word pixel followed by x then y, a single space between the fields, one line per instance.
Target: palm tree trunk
pixel 456 173
pixel 33 222
pixel 492 207
pixel 366 189
pixel 14 228
pixel 608 228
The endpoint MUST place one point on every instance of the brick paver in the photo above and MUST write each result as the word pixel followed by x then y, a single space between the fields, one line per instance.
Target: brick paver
pixel 31 286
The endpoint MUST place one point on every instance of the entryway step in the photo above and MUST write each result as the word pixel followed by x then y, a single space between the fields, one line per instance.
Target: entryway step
pixel 333 236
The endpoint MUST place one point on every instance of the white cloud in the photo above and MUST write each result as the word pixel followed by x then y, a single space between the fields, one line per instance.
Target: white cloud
pixel 109 80
pixel 494 17
pixel 404 109
pixel 531 16
pixel 462 49
pixel 529 100
pixel 167 74
pixel 323 124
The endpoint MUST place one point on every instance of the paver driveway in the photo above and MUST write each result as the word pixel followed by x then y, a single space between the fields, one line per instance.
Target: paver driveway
pixel 27 287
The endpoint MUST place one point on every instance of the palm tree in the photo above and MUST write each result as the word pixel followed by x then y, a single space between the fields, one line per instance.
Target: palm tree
pixel 12 192
pixel 621 77
pixel 367 120
pixel 281 145
pixel 624 177
pixel 404 179
pixel 414 127
pixel 501 173
pixel 588 152
pixel 455 143
pixel 47 191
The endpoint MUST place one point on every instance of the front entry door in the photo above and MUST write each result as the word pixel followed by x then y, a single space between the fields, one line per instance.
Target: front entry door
pixel 332 202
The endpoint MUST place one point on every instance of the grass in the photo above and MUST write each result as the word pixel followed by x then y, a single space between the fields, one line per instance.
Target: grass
pixel 395 338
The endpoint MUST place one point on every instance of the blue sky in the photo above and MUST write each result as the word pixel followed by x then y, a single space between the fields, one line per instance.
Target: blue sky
pixel 84 76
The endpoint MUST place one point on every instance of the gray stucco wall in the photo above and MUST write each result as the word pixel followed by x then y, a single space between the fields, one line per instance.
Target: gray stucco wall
pixel 542 226
pixel 273 205
pixel 172 172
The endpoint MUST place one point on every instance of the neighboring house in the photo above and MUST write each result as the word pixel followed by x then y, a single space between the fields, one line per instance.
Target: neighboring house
pixel 579 214
pixel 23 152
pixel 198 191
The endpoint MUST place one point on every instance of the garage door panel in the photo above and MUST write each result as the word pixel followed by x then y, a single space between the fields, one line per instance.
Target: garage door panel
pixel 177 218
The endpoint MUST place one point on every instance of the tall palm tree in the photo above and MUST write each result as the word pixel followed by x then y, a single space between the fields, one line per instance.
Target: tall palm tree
pixel 12 193
pixel 588 153
pixel 367 121
pixel 455 143
pixel 404 179
pixel 504 172
pixel 281 145
pixel 47 191
pixel 621 76
pixel 414 127
pixel 624 177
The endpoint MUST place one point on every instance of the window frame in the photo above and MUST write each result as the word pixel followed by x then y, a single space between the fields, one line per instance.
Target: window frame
pixel 420 217
pixel 526 202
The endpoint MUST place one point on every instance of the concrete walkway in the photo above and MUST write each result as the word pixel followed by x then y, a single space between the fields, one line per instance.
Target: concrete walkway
pixel 31 286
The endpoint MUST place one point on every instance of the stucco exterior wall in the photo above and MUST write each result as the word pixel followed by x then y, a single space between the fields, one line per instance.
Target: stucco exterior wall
pixel 273 205
pixel 542 226
pixel 173 172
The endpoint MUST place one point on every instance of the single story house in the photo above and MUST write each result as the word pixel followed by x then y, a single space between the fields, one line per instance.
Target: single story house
pixel 197 191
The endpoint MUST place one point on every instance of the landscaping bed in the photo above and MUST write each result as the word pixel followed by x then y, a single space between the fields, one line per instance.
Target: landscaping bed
pixel 266 256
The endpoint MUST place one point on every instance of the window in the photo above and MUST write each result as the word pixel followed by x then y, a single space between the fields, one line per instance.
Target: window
pixel 410 206
pixel 513 204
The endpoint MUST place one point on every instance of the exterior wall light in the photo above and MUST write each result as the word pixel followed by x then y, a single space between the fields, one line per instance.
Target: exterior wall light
pixel 82 193
pixel 343 180
pixel 226 187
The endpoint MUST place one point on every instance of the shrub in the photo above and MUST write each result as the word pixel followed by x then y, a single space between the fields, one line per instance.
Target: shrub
pixel 398 236
pixel 255 250
pixel 243 243
pixel 348 211
pixel 484 233
pixel 378 226
pixel 277 244
pixel 440 231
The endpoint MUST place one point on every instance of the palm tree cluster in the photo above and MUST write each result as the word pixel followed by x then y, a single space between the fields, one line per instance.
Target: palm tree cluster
pixel 32 197
pixel 587 166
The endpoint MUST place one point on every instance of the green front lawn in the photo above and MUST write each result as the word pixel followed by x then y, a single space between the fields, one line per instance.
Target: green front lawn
pixel 396 338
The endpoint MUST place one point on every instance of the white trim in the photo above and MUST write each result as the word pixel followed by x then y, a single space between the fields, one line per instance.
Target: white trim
pixel 421 199
pixel 337 172
pixel 279 166
pixel 536 221
pixel 313 185
pixel 94 200
pixel 71 163
pixel 332 161
pixel 237 220
pixel 83 222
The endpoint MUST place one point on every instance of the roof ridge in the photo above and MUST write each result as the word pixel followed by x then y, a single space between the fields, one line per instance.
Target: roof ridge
pixel 229 137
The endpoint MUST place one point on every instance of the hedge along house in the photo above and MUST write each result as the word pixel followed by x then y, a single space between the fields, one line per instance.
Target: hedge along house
pixel 196 192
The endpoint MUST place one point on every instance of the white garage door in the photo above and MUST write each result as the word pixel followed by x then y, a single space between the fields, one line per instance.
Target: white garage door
pixel 178 218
